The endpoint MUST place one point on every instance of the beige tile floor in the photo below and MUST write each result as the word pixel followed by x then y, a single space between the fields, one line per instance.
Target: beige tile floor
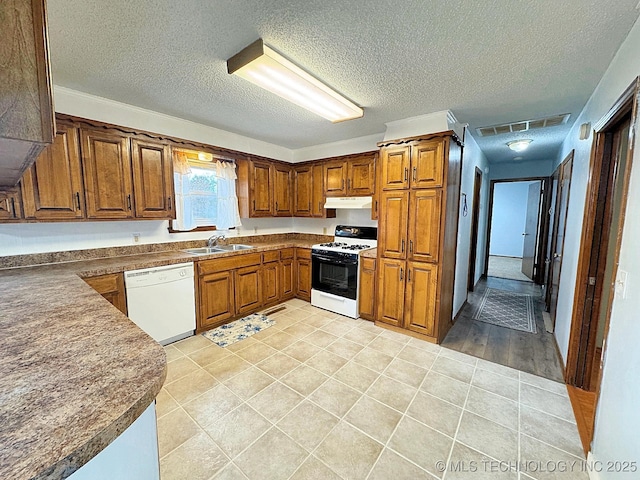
pixel 321 396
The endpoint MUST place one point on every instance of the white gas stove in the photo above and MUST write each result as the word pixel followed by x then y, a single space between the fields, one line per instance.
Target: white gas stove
pixel 335 271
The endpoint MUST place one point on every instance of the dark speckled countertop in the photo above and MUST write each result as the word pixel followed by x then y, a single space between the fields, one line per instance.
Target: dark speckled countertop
pixel 74 371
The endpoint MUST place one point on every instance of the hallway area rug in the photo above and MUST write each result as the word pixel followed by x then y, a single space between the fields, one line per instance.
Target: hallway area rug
pixel 506 267
pixel 233 332
pixel 507 309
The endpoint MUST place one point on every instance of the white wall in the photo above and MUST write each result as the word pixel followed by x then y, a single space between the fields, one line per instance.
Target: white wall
pixel 472 158
pixel 617 417
pixel 504 171
pixel 508 218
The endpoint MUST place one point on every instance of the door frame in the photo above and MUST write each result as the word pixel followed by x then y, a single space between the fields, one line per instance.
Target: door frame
pixel 542 229
pixel 475 224
pixel 582 347
pixel 553 225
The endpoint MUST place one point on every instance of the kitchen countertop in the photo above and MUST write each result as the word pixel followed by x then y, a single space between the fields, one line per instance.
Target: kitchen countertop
pixel 371 253
pixel 74 371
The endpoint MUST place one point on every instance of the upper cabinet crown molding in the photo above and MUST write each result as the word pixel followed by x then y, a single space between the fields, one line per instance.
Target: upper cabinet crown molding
pixel 26 106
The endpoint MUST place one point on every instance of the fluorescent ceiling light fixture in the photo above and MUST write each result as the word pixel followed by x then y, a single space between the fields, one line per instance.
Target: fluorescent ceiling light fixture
pixel 519 145
pixel 266 68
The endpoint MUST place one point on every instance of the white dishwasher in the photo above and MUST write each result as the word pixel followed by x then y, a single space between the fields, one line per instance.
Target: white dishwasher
pixel 161 301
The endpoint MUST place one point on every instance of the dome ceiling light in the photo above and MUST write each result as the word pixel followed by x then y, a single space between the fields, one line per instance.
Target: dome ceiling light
pixel 519 145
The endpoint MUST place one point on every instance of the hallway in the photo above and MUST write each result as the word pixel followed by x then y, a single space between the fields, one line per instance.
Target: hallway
pixel 530 352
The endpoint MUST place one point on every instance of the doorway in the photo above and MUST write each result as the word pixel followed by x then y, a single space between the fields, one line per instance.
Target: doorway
pixel 604 214
pixel 516 236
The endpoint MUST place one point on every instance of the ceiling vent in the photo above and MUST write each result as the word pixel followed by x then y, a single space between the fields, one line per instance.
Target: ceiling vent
pixel 523 126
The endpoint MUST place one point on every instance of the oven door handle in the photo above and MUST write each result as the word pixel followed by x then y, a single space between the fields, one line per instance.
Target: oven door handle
pixel 335 260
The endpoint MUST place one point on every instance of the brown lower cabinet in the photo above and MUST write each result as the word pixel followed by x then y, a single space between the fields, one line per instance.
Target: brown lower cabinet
pixel 232 287
pixel 10 205
pixel 407 293
pixel 367 302
pixel 111 287
pixel 303 274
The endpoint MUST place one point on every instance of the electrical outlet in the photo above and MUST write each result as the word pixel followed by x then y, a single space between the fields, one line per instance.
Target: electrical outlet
pixel 255 229
pixel 136 237
pixel 324 230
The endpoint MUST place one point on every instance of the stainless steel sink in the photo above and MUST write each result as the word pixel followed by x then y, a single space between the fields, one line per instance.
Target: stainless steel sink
pixel 204 250
pixel 234 247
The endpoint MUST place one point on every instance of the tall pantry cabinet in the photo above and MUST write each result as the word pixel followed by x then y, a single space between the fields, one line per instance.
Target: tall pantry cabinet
pixel 419 198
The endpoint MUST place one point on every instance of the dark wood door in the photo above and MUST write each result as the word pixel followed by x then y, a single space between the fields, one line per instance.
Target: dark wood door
pixel 262 189
pixel 394 209
pixel 361 176
pixel 422 284
pixel 424 225
pixel 559 228
pixel 283 191
pixel 303 187
pixel 531 230
pixel 427 162
pixel 106 164
pixel 248 288
pixel 394 168
pixel 152 179
pixel 52 187
pixel 216 300
pixel 391 282
pixel 335 175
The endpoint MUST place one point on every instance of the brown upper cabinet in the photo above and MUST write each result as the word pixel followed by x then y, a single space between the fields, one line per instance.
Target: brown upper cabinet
pixel 350 177
pixel 52 187
pixel 26 107
pixel 255 188
pixel 283 190
pixel 152 179
pixel 417 165
pixel 106 161
pixel 309 192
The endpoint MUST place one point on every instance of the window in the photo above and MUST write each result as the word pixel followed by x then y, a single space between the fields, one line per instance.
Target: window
pixel 205 193
pixel 203 188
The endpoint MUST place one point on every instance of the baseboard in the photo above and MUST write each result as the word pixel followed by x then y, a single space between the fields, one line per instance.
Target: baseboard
pixel 455 319
pixel 562 365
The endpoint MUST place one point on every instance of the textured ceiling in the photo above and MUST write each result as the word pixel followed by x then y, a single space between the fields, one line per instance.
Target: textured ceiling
pixel 488 61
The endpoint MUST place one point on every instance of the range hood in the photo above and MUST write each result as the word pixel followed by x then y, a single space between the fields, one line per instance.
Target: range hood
pixel 348 202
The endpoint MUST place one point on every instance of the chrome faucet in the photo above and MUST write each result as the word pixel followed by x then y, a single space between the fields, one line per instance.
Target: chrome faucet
pixel 214 239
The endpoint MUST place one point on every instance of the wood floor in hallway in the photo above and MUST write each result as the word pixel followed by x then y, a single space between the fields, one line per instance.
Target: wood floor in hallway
pixel 533 353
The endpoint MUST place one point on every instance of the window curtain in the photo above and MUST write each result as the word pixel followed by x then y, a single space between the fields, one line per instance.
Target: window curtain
pixel 185 218
pixel 228 213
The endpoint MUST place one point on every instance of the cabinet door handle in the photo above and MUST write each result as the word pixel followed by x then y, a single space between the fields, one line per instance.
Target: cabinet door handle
pixel 410 246
pixel 78 200
pixel 409 275
pixel 276 206
pixel 129 201
pixel 254 205
pixel 342 187
pixel 348 184
pixel 401 273
pixel 402 246
pixel 376 205
pixel 169 200
pixel 320 205
pixel 415 173
pixel 406 174
pixel 13 208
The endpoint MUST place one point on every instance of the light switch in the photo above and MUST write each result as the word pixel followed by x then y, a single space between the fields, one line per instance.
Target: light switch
pixel 621 284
